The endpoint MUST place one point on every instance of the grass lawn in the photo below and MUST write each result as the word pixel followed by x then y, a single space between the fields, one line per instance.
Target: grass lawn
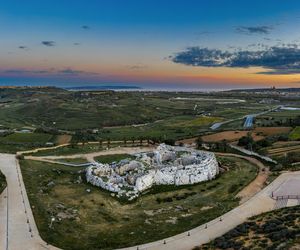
pixel 2 182
pixel 295 134
pixel 74 160
pixel 199 121
pixel 111 158
pixel 71 149
pixel 24 141
pixel 170 128
pixel 273 230
pixel 96 220
pixel 27 138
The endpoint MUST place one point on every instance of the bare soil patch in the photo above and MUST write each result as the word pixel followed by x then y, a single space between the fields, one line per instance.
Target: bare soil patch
pixel 266 131
pixel 258 133
pixel 63 139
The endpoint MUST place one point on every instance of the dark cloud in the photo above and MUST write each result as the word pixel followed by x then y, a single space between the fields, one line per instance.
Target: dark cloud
pixel 70 71
pixel 76 44
pixel 67 71
pixel 252 30
pixel 137 67
pixel 23 47
pixel 49 43
pixel 85 27
pixel 23 71
pixel 276 60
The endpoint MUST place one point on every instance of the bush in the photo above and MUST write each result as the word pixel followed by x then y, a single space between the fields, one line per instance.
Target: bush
pixel 232 188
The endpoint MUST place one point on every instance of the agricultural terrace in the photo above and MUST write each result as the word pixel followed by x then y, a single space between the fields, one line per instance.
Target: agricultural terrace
pixel 295 134
pixel 108 115
pixel 257 134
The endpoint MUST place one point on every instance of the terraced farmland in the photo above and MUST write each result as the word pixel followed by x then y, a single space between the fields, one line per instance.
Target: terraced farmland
pixel 284 150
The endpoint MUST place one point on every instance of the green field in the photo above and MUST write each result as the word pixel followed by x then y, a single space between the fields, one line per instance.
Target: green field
pixel 111 158
pixel 109 115
pixel 94 220
pixel 60 109
pixel 73 160
pixel 279 118
pixel 170 128
pixel 24 141
pixel 73 149
pixel 295 134
pixel 27 138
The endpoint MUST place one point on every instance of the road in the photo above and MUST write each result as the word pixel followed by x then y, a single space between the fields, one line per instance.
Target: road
pixel 249 119
pixel 18 230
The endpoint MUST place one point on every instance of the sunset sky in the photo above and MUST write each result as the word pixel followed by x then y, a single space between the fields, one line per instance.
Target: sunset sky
pixel 151 43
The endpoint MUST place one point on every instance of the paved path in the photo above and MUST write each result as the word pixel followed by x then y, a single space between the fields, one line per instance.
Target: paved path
pixel 260 203
pixel 18 230
pixel 3 219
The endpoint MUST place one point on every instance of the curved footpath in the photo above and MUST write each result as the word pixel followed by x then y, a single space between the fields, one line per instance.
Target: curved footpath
pixel 258 183
pixel 18 230
pixel 90 156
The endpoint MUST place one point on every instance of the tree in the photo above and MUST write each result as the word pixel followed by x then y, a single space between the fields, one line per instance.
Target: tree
pixel 224 145
pixel 245 140
pixel 199 142
pixel 133 140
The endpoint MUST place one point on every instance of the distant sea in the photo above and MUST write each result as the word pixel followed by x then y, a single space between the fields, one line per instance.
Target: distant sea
pixel 116 86
pixel 103 87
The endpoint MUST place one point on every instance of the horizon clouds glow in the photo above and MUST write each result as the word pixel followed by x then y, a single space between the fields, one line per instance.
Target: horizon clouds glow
pixel 188 44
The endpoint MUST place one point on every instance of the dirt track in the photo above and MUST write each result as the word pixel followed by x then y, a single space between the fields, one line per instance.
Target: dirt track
pixel 90 156
pixel 257 184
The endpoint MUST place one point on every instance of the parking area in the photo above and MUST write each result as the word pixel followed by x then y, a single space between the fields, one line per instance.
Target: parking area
pixel 289 189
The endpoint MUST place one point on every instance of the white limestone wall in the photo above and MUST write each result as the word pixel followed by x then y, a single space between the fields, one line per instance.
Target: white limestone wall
pixel 145 182
pixel 205 168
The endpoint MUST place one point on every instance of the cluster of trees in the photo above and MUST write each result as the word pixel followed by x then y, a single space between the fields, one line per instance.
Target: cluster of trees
pixel 290 122
pixel 52 131
pixel 217 146
pixel 249 143
pixel 290 158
